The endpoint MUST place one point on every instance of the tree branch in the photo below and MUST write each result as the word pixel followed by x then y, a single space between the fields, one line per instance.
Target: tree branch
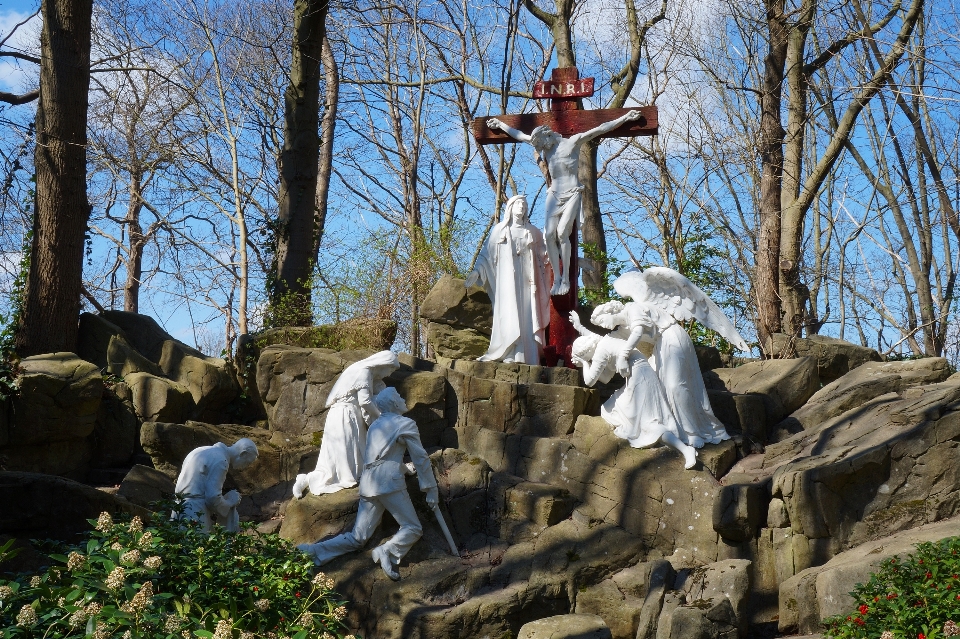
pixel 14 99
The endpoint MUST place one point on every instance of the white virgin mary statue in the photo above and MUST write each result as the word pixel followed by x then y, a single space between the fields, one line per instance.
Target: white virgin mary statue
pixel 513 269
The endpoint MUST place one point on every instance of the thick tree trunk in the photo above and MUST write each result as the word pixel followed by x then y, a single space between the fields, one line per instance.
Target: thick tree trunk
pixel 331 78
pixel 295 231
pixel 594 269
pixel 51 305
pixel 793 292
pixel 767 276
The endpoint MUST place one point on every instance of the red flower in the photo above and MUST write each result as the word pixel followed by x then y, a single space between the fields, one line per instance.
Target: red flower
pixel 860 622
pixel 297 595
pixel 920 635
pixel 255 589
pixel 892 595
pixel 876 599
pixel 929 574
pixel 863 609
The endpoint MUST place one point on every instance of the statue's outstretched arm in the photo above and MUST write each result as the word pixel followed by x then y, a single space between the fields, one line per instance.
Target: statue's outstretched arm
pixel 606 127
pixel 516 134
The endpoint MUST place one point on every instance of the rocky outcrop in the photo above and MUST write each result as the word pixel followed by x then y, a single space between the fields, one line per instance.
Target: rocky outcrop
pixel 835 357
pixel 145 486
pixel 784 385
pixel 53 415
pixel 858 387
pixel 576 626
pixel 131 346
pixel 814 594
pixel 459 320
pixel 41 506
pixel 884 466
pixel 450 302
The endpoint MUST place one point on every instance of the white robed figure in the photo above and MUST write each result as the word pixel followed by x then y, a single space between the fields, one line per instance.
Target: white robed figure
pixel 345 430
pixel 639 411
pixel 513 269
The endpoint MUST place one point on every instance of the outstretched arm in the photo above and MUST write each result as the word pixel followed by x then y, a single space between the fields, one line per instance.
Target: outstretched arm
pixel 497 125
pixel 606 127
pixel 583 330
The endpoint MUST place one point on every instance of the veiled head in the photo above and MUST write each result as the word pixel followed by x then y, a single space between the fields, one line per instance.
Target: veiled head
pixel 516 212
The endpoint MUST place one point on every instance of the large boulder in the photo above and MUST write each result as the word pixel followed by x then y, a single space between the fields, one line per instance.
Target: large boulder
pixel 576 626
pixel 814 594
pixel 158 398
pixel 52 415
pixel 784 384
pixel 835 357
pixel 885 466
pixel 294 382
pixel 40 506
pixel 456 343
pixel 116 434
pixel 450 302
pixel 353 334
pixel 136 343
pixel 861 385
pixel 145 486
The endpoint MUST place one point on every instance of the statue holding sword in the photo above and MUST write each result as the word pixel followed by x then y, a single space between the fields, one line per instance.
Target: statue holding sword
pixel 383 488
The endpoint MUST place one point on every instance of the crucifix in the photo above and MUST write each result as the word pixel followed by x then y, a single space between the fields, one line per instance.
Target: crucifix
pixel 557 135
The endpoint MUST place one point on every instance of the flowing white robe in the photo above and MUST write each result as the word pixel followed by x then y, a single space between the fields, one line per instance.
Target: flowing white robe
pixel 675 361
pixel 514 271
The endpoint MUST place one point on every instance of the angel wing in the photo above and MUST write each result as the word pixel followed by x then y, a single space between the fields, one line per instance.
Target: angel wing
pixel 674 294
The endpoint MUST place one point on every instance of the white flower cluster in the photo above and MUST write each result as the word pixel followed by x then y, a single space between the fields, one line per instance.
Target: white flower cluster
pixel 75 561
pixel 115 578
pixel 27 617
pixel 136 525
pixel 140 601
pixel 261 604
pixel 104 522
pixel 322 582
pixel 152 562
pixel 131 557
pixel 224 629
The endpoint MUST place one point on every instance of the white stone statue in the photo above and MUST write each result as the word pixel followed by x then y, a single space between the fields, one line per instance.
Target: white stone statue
pixel 383 488
pixel 512 269
pixel 639 411
pixel 663 298
pixel 201 482
pixel 563 204
pixel 345 430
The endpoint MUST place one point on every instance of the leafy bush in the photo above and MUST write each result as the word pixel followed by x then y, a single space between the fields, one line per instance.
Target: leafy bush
pixel 173 580
pixel 913 598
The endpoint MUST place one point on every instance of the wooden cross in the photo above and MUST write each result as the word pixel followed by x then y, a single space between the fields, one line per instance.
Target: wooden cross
pixel 564 90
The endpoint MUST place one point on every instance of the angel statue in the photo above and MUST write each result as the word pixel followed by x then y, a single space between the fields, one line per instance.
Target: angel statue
pixel 639 411
pixel 662 298
pixel 512 268
pixel 345 430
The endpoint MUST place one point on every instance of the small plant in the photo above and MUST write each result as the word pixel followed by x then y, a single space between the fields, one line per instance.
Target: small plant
pixel 913 598
pixel 172 580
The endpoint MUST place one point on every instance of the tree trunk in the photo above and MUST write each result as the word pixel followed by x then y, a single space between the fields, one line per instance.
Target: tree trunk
pixel 331 75
pixel 592 235
pixel 51 304
pixel 767 278
pixel 793 292
pixel 295 231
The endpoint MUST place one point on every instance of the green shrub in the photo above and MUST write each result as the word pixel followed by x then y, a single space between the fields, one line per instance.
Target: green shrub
pixel 913 598
pixel 173 580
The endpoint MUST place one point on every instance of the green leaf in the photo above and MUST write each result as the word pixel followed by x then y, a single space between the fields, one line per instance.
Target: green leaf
pixel 203 633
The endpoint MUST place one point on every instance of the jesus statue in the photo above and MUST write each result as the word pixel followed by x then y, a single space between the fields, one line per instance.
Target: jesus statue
pixel 563 204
